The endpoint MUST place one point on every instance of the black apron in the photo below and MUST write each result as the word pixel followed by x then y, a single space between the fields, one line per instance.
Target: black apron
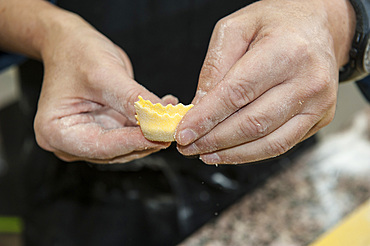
pixel 157 200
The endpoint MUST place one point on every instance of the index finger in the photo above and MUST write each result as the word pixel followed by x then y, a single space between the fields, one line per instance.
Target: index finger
pixel 260 69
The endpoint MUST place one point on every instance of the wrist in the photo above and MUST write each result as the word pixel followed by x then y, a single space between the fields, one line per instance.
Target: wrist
pixel 342 24
pixel 60 28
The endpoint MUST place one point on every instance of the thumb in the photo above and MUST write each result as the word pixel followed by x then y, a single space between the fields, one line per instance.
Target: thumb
pixel 227 45
pixel 123 93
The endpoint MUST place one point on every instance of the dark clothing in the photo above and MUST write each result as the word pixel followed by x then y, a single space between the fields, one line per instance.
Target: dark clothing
pixel 166 40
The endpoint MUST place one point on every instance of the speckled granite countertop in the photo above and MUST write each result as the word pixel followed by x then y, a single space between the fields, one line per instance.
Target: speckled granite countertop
pixel 299 204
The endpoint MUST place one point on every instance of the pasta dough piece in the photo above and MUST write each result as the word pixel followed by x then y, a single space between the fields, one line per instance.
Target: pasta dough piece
pixel 158 122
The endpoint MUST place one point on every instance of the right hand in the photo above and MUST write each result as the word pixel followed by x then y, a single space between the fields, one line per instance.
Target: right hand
pixel 269 80
pixel 86 107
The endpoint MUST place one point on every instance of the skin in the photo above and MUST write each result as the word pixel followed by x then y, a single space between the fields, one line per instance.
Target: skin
pixel 85 110
pixel 269 80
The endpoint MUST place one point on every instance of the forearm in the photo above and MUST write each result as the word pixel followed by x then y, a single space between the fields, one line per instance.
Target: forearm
pixel 29 26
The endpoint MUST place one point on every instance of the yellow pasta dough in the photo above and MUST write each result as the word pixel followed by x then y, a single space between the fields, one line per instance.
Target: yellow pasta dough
pixel 158 122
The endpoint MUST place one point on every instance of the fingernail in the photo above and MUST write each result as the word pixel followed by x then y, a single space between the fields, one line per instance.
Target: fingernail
pixel 187 136
pixel 211 158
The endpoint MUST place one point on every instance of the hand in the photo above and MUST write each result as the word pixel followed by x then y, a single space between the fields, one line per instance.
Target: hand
pixel 269 80
pixel 86 107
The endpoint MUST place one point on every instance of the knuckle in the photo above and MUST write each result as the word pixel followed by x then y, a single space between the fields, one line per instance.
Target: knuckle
pixel 301 49
pixel 323 76
pixel 321 82
pixel 298 49
pixel 211 69
pixel 277 147
pixel 253 127
pixel 238 94
pixel 297 52
pixel 221 25
pixel 227 23
pixel 132 94
pixel 224 30
pixel 208 143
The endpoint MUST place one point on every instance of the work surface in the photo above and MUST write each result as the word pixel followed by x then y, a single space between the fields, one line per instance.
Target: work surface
pixel 307 199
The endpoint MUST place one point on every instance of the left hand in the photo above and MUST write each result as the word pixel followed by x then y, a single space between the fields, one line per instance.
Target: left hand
pixel 86 108
pixel 269 80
